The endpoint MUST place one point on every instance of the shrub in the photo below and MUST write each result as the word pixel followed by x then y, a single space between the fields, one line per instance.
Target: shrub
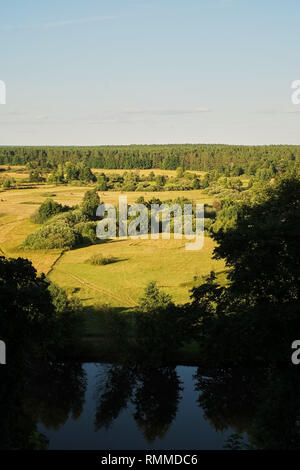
pixel 7 182
pixel 88 231
pixel 101 182
pixel 48 194
pixel 35 176
pixel 179 172
pixel 143 186
pixel 55 235
pixel 100 260
pixel 90 203
pixel 71 217
pixel 129 186
pixel 154 299
pixel 86 175
pixel 68 311
pixel 46 210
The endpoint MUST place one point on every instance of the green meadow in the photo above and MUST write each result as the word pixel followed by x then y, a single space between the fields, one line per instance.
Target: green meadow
pixel 137 262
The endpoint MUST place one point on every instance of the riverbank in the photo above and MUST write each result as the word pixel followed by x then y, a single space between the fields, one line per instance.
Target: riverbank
pixel 108 335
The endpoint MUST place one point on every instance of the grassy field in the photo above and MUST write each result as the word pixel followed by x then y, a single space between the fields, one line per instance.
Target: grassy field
pixel 138 261
pixel 18 172
pixel 23 202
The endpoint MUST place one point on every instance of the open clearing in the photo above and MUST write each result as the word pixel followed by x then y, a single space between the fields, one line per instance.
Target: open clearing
pixel 119 284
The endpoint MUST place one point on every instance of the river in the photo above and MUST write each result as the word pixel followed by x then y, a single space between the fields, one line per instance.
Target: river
pixel 152 410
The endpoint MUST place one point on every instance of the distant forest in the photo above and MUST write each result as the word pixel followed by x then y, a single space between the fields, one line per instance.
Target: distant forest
pixel 205 157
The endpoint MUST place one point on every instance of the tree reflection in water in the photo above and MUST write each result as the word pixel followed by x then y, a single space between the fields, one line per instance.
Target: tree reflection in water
pixel 264 404
pixel 260 403
pixel 47 392
pixel 154 392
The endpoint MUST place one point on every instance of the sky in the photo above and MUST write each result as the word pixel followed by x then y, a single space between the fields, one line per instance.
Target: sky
pixel 97 72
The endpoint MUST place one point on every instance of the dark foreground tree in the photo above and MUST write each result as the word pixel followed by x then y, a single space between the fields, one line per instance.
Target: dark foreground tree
pixel 38 324
pixel 259 310
pixel 159 327
pixel 36 318
pixel 245 329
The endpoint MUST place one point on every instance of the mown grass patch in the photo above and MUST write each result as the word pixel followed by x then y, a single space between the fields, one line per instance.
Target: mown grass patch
pixel 122 284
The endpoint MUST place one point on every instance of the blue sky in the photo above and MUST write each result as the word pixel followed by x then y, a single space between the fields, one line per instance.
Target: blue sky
pixel 149 71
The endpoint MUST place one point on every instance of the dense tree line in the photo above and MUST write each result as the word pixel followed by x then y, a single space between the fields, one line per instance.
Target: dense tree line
pixel 134 181
pixel 227 158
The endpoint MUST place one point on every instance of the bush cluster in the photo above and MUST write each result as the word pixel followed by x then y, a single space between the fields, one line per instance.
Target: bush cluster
pixel 64 227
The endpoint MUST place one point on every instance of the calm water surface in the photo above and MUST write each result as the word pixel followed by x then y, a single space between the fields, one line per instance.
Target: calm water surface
pixel 148 412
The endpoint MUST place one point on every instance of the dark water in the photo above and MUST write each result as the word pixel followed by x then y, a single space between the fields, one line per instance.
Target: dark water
pixel 120 409
pixel 70 405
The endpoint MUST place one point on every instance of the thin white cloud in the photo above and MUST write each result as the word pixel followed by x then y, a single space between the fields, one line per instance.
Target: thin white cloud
pixel 165 111
pixel 41 117
pixel 21 117
pixel 90 19
pixel 57 24
pixel 15 113
pixel 123 116
pixel 295 110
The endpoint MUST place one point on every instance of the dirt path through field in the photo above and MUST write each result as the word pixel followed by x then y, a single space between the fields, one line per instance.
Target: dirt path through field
pixel 130 301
